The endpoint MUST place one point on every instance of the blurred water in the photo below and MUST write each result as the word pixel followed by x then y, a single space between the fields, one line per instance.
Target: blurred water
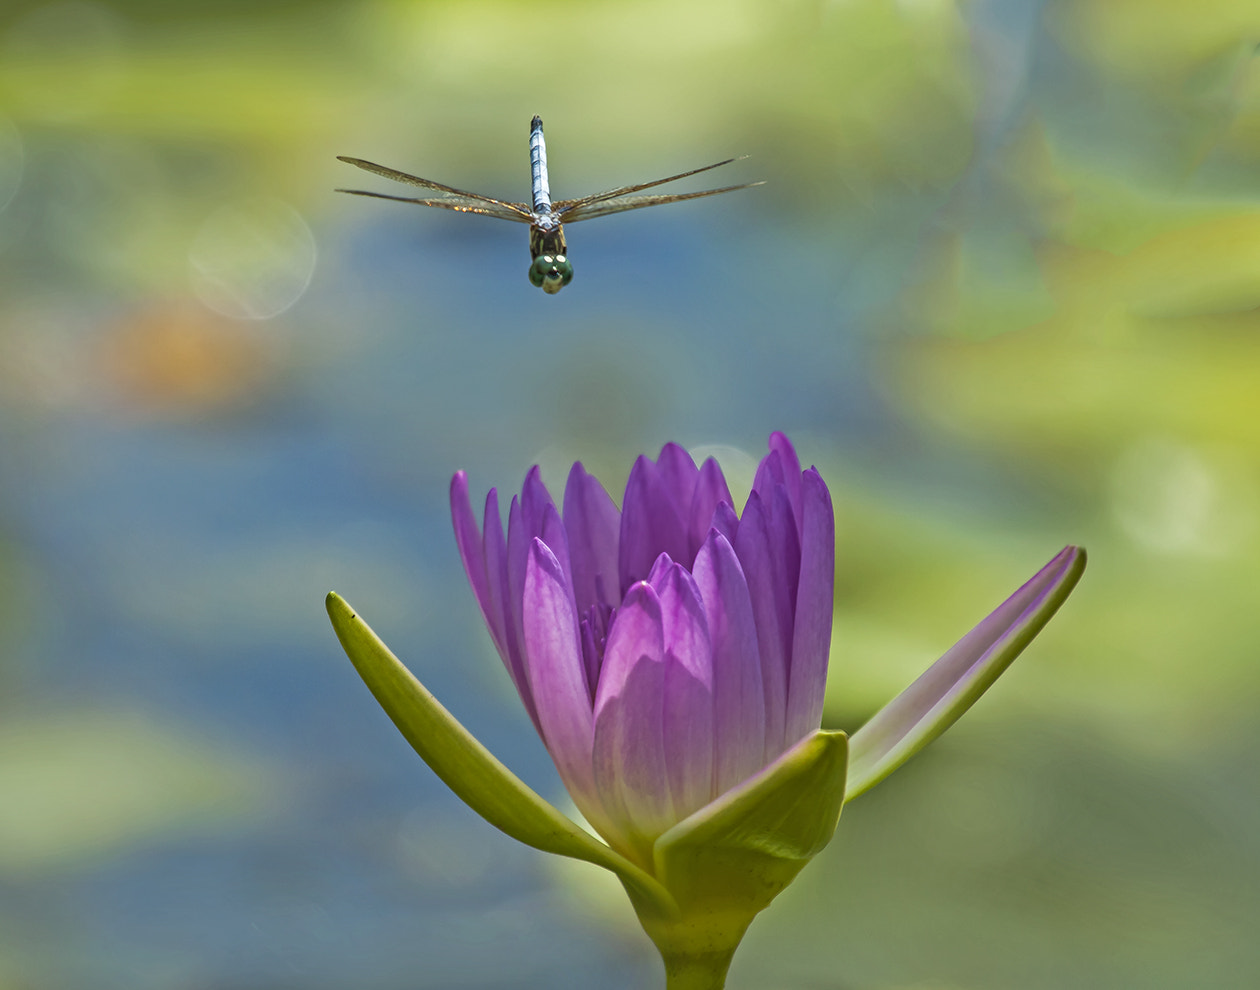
pixel 997 287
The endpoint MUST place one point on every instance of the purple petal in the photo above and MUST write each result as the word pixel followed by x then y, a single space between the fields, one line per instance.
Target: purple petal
pixel 659 570
pixel 629 742
pixel 781 467
pixel 554 666
pixel 527 517
pixel 725 521
pixel 651 523
pixel 552 532
pixel 471 551
pixel 739 714
pixel 953 684
pixel 517 560
pixel 534 499
pixel 710 492
pixel 688 690
pixel 594 627
pixel 772 611
pixel 485 564
pixel 496 571
pixel 769 473
pixel 791 469
pixel 504 606
pixel 593 525
pixel 783 538
pixel 679 475
pixel 815 603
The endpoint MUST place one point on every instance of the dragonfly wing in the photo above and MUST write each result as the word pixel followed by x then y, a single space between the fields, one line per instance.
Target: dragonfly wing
pixel 414 180
pixel 572 204
pixel 461 203
pixel 584 210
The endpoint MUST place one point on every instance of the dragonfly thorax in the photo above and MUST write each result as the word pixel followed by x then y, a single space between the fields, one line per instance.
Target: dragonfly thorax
pixel 546 239
pixel 550 270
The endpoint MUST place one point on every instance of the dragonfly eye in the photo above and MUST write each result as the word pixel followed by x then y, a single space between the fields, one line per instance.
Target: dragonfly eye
pixel 551 272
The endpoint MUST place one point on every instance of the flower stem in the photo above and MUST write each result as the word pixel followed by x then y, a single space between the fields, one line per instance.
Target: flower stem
pixel 696 950
pixel 706 971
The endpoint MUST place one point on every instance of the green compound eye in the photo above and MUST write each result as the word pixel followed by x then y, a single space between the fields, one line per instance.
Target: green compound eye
pixel 551 272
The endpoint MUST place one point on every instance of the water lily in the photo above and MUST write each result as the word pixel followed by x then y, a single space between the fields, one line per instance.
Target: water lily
pixel 668 651
pixel 672 656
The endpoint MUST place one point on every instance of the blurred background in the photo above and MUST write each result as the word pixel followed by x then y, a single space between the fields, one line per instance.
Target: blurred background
pixel 1002 285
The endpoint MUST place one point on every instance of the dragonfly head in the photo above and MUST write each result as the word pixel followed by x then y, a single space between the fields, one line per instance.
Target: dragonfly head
pixel 551 272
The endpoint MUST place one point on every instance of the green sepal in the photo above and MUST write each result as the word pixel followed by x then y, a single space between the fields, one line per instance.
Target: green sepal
pixel 471 771
pixel 726 862
pixel 940 696
pixel 744 847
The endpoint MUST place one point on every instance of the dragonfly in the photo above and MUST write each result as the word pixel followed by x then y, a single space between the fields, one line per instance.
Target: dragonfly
pixel 550 268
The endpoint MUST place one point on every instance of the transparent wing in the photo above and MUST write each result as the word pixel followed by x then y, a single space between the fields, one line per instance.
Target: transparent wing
pixel 458 199
pixel 603 208
pixel 565 205
pixel 461 204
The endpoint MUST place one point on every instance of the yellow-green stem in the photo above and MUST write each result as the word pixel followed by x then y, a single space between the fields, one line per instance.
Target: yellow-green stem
pixel 696 949
pixel 698 972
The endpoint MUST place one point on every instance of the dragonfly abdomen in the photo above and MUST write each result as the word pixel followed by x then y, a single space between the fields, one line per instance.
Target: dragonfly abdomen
pixel 538 167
